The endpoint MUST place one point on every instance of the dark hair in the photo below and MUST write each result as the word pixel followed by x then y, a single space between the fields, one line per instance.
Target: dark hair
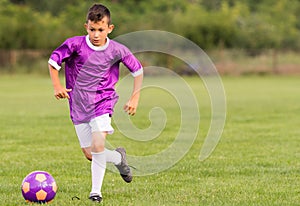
pixel 97 12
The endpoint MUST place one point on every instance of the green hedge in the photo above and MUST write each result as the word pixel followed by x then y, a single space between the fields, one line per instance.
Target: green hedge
pixel 35 24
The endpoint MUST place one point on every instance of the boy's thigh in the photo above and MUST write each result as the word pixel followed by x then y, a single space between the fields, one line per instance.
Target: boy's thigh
pixel 99 124
pixel 84 134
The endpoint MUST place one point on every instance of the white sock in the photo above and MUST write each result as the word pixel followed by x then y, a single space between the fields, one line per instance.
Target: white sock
pixel 112 156
pixel 98 168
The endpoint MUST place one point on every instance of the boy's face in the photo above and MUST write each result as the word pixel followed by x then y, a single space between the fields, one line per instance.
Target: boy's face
pixel 98 31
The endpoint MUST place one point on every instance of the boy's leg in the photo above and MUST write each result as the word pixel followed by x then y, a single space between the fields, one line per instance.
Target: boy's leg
pixel 118 158
pixel 100 127
pixel 87 153
pixel 92 144
pixel 112 156
pixel 98 165
pixel 84 134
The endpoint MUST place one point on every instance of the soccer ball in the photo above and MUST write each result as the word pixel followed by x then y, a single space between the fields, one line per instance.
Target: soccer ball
pixel 39 187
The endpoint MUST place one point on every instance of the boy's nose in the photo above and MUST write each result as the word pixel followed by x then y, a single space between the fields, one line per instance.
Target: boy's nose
pixel 97 34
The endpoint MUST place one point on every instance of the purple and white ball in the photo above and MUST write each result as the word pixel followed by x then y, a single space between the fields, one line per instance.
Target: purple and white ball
pixel 39 187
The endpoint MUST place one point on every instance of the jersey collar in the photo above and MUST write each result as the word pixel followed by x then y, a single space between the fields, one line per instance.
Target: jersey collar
pixel 96 48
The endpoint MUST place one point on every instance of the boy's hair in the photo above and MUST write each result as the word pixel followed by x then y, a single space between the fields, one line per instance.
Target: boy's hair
pixel 97 12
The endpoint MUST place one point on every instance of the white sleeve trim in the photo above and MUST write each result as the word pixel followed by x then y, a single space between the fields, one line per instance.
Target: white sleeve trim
pixel 54 64
pixel 137 73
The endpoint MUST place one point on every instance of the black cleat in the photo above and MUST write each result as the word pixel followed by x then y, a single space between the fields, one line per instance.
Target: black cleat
pixel 123 167
pixel 95 198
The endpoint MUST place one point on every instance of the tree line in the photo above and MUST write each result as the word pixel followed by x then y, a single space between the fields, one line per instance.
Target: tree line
pixel 249 24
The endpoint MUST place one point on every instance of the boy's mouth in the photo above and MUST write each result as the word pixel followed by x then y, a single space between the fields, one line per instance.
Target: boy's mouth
pixel 96 41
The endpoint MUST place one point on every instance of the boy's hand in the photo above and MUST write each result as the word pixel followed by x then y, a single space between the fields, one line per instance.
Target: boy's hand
pixel 131 106
pixel 61 93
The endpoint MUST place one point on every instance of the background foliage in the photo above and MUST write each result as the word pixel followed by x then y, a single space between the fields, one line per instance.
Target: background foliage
pixel 248 24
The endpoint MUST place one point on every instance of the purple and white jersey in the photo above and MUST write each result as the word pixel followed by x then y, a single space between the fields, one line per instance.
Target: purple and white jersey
pixel 92 72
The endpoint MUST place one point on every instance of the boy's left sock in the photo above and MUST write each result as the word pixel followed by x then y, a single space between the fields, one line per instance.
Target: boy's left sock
pixel 112 156
pixel 98 168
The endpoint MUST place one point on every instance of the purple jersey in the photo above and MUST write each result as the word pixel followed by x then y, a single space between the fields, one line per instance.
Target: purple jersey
pixel 92 72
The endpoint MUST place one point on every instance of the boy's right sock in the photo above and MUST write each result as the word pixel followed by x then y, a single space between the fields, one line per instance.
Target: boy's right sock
pixel 98 168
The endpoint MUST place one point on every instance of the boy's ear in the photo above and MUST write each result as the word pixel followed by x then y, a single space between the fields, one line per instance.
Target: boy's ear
pixel 85 26
pixel 111 28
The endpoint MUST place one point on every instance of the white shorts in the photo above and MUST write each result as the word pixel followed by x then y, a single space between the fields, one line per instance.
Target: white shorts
pixel 99 124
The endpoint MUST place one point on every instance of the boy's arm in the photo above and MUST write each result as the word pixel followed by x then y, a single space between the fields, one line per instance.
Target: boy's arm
pixel 59 91
pixel 132 104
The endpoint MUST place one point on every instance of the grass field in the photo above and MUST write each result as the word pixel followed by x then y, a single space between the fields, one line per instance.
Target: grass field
pixel 255 163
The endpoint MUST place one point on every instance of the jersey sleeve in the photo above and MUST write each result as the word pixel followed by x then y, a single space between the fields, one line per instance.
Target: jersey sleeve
pixel 131 62
pixel 64 51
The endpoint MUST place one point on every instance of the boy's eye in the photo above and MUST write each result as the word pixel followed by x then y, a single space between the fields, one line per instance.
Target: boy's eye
pixel 101 30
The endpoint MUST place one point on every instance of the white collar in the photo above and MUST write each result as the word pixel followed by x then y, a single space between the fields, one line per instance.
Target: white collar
pixel 96 48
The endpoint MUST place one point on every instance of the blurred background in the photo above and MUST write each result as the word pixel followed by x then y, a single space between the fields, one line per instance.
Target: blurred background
pixel 241 37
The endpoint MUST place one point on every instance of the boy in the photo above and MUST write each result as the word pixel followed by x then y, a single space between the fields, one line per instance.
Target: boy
pixel 91 72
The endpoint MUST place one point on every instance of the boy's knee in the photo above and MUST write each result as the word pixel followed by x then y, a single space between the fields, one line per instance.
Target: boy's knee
pixel 98 142
pixel 98 148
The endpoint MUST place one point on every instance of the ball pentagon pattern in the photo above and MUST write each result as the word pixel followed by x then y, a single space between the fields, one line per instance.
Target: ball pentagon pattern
pixel 39 187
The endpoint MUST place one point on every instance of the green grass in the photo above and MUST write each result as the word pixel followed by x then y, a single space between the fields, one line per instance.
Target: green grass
pixel 255 163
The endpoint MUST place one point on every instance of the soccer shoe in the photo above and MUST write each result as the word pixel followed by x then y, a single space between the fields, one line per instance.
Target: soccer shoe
pixel 123 167
pixel 95 198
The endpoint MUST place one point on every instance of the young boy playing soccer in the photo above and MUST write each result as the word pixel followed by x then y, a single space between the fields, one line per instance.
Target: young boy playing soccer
pixel 91 72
